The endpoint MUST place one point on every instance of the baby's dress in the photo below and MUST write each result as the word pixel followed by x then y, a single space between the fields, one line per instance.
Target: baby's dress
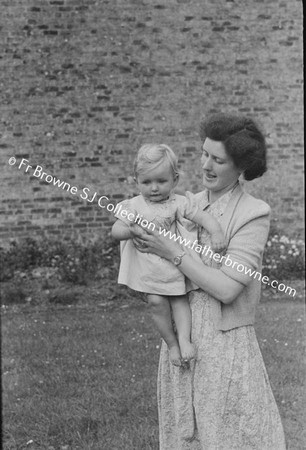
pixel 145 272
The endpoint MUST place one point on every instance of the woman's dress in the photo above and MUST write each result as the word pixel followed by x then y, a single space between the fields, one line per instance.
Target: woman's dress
pixel 224 402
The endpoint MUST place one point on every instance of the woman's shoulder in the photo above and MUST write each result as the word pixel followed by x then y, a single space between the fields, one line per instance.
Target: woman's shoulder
pixel 251 204
pixel 247 210
pixel 243 208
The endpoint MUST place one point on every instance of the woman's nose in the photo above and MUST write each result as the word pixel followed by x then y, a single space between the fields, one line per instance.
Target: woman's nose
pixel 206 163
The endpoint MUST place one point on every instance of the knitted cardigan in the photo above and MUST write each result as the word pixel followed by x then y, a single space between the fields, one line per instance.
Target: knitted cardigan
pixel 245 223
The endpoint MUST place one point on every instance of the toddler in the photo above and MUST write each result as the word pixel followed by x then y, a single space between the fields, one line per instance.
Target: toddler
pixel 156 174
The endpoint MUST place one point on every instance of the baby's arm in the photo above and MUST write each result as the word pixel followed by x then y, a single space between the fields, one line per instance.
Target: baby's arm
pixel 205 220
pixel 124 229
pixel 121 231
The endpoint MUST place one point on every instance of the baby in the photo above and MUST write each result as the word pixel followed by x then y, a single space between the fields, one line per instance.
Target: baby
pixel 156 174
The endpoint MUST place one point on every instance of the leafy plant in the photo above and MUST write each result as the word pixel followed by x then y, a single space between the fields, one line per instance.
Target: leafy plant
pixel 80 262
pixel 75 262
pixel 284 257
pixel 13 295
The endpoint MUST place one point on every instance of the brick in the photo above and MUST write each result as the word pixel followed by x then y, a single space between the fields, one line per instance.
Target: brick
pixel 79 225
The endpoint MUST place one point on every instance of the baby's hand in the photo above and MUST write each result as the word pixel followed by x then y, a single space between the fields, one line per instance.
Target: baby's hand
pixel 218 241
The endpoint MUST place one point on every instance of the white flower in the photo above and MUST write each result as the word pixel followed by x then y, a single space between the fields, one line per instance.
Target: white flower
pixel 284 240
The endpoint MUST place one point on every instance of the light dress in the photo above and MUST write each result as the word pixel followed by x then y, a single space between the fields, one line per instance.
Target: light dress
pixel 225 401
pixel 145 272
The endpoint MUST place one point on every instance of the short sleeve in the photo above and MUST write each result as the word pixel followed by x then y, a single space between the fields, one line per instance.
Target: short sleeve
pixel 125 211
pixel 189 207
pixel 243 257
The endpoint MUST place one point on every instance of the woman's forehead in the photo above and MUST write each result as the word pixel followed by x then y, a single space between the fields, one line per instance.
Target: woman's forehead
pixel 215 148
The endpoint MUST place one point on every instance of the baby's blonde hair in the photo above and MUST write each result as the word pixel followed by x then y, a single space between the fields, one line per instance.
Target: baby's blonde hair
pixel 151 156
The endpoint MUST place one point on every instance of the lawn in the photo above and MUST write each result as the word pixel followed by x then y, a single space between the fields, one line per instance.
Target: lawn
pixel 83 376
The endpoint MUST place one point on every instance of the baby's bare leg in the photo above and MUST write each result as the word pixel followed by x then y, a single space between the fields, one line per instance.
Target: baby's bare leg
pixel 161 314
pixel 182 318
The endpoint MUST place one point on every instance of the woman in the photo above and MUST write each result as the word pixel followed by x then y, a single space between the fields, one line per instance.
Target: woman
pixel 223 401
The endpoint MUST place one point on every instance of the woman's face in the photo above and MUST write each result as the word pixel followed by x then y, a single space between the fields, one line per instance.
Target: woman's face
pixel 219 171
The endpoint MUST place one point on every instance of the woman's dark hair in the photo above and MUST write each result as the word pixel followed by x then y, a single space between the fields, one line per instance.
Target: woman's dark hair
pixel 242 140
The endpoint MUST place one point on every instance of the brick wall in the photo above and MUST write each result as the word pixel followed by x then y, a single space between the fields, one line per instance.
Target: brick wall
pixel 84 83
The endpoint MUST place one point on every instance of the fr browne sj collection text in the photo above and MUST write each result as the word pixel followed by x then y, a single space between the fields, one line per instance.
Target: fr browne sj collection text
pixel 85 193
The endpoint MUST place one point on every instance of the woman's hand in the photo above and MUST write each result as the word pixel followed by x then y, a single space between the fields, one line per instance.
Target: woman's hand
pixel 152 242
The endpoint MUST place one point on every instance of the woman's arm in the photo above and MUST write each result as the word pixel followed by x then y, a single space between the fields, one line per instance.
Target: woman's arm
pixel 207 221
pixel 192 212
pixel 211 280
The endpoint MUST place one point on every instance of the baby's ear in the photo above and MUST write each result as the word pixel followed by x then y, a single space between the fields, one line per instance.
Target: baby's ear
pixel 176 179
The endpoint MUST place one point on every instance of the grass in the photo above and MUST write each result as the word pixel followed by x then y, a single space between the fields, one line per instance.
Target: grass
pixel 83 376
pixel 281 334
pixel 80 376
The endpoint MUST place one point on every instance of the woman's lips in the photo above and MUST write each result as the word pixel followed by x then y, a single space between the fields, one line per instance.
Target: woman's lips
pixel 209 176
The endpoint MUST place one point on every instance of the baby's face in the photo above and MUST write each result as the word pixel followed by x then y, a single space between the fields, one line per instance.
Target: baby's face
pixel 156 184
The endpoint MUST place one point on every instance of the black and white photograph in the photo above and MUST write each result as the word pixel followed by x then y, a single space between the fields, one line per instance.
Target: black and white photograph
pixel 152 246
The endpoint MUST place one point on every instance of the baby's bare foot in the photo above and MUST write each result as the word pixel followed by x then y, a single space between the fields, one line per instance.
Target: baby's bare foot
pixel 175 355
pixel 188 350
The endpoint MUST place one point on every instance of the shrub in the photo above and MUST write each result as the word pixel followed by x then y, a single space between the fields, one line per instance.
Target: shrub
pixel 283 257
pixel 84 262
pixel 78 262
pixel 75 262
pixel 13 295
pixel 28 254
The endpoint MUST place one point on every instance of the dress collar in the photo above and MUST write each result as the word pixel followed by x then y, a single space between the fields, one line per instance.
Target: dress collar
pixel 221 203
pixel 170 198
